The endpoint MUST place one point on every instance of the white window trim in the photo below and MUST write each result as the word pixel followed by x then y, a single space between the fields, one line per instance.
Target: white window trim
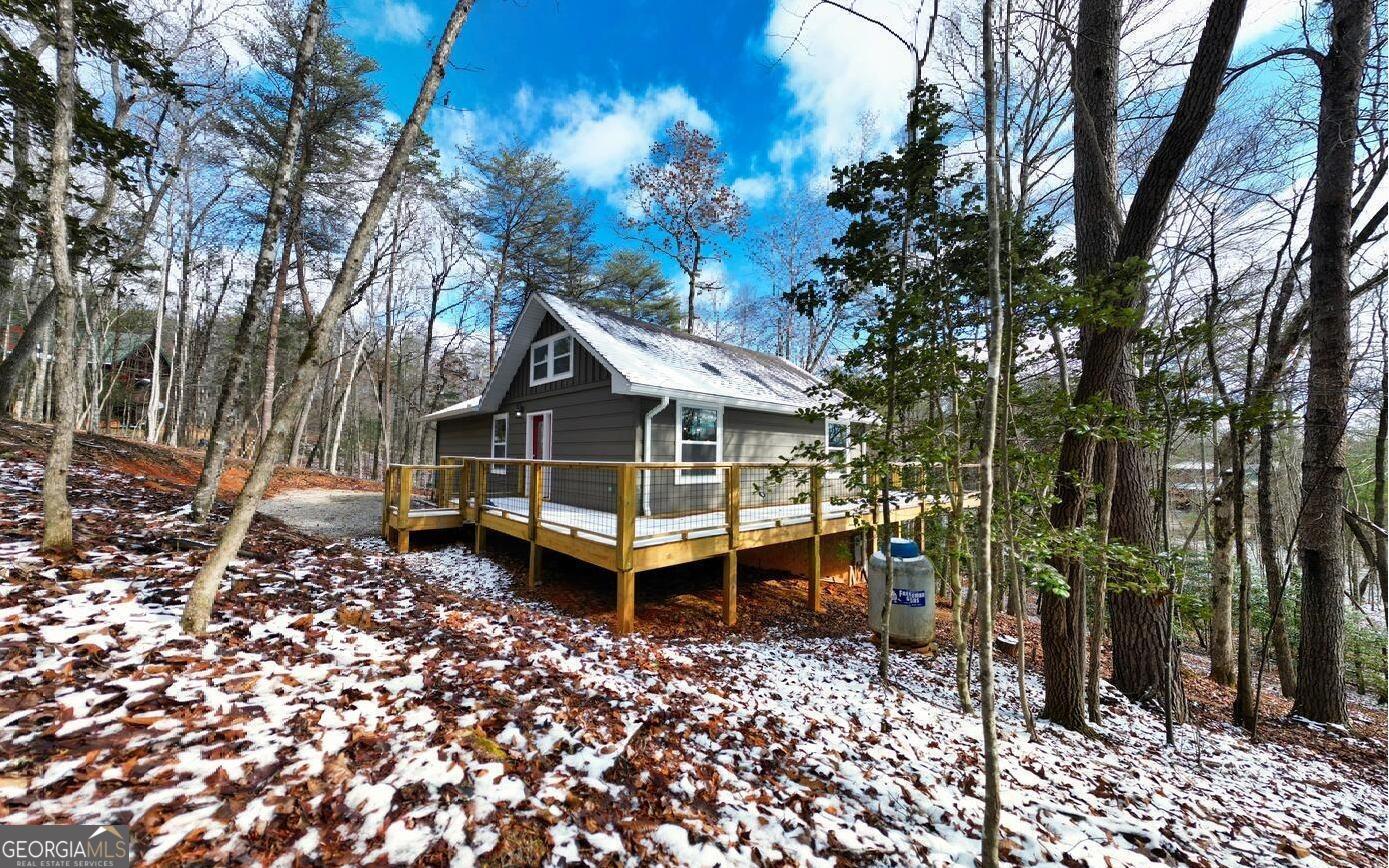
pixel 680 477
pixel 847 447
pixel 549 360
pixel 492 442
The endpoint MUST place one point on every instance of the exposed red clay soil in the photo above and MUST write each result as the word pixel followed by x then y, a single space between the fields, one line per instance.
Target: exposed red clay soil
pixel 164 468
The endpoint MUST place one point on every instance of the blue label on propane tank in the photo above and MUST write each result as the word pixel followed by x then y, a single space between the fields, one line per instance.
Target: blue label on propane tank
pixel 908 597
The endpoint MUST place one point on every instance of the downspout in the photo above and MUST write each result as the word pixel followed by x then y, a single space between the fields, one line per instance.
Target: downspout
pixel 646 454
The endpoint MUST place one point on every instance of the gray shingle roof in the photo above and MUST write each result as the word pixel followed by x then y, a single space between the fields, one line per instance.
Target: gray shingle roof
pixel 646 359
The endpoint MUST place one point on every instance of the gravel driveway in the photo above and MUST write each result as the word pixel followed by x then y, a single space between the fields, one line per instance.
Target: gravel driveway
pixel 328 513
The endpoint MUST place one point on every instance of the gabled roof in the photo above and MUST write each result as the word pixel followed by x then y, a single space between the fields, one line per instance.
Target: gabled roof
pixel 459 409
pixel 646 359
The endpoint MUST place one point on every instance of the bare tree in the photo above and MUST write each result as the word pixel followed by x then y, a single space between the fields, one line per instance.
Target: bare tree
pixel 230 398
pixel 1321 689
pixel 57 514
pixel 1105 239
pixel 684 208
pixel 204 591
pixel 992 799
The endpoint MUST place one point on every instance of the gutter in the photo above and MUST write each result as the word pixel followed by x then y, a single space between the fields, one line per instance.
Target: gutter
pixel 646 453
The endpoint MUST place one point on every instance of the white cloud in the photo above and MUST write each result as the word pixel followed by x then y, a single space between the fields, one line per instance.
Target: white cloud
pixel 755 190
pixel 459 128
pixel 388 20
pixel 401 20
pixel 848 79
pixel 596 137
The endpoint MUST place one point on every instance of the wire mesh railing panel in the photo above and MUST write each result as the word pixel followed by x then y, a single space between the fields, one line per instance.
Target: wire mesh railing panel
pixel 772 494
pixel 579 498
pixel 505 487
pixel 680 503
pixel 837 497
pixel 434 488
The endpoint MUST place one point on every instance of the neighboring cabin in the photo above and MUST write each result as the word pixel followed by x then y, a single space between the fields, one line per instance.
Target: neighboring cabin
pixel 579 384
pixel 128 361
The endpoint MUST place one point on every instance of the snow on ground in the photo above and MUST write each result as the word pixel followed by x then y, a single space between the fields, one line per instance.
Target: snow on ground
pixel 461 725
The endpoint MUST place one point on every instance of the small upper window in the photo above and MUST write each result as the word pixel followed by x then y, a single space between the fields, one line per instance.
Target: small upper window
pixel 552 359
pixel 837 441
pixel 499 428
pixel 699 437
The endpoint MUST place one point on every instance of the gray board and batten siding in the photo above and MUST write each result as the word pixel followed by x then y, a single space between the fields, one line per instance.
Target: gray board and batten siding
pixel 590 423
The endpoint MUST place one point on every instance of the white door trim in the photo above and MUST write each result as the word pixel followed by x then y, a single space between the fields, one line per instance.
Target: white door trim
pixel 549 445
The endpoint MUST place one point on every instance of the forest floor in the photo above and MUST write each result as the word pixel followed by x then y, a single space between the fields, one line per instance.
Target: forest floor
pixel 351 706
pixel 164 468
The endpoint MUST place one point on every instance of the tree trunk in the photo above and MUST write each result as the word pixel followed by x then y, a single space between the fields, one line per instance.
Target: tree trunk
pixel 1095 84
pixel 1139 626
pixel 1321 688
pixel 1381 495
pixel 156 369
pixel 1222 551
pixel 57 514
pixel 346 400
pixel 992 806
pixel 204 591
pixel 220 437
pixel 693 275
pixel 17 361
pixel 1140 641
pixel 1110 462
pixel 1272 533
pixel 272 337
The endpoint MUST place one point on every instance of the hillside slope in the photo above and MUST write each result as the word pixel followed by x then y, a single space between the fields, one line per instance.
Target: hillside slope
pixel 352 707
pixel 163 468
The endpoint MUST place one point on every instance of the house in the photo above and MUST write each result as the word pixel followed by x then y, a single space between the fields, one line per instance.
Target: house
pixel 128 358
pixel 575 383
pixel 632 447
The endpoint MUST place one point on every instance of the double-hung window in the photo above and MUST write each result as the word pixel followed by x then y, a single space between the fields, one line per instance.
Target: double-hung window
pixel 499 430
pixel 698 437
pixel 837 441
pixel 552 359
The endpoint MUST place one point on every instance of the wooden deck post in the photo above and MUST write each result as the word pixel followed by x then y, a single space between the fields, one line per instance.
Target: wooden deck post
pixel 465 487
pixel 733 506
pixel 480 532
pixel 536 481
pixel 387 493
pixel 816 527
pixel 624 535
pixel 730 588
pixel 402 510
pixel 441 480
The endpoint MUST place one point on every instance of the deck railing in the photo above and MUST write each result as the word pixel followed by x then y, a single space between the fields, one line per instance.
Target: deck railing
pixel 632 516
pixel 659 500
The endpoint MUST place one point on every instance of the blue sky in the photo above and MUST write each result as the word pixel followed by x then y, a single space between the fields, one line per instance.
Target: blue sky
pixel 593 81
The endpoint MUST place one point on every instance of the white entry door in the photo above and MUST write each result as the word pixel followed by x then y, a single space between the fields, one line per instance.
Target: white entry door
pixel 539 441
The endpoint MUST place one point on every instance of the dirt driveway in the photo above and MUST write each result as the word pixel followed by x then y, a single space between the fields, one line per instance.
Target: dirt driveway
pixel 328 513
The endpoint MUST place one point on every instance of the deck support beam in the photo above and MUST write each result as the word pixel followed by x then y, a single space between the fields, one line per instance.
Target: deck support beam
pixel 817 526
pixel 625 538
pixel 626 601
pixel 537 494
pixel 730 588
pixel 533 574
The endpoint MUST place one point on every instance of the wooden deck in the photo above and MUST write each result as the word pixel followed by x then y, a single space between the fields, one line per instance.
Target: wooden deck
pixel 559 506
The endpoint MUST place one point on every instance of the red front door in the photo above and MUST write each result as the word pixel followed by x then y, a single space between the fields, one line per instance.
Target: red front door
pixel 538 445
